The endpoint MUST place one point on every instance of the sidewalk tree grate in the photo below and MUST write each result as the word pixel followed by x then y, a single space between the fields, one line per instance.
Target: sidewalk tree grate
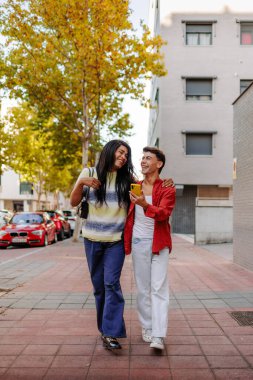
pixel 244 318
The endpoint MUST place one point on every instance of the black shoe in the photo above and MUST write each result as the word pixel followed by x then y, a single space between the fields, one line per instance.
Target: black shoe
pixel 110 343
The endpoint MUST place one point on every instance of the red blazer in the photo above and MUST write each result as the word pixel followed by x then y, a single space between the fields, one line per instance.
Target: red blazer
pixel 163 199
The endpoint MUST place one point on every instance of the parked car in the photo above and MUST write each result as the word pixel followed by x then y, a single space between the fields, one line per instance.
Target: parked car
pixel 62 225
pixel 70 215
pixel 28 228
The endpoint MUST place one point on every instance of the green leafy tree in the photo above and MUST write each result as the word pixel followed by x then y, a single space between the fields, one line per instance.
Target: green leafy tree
pixel 32 153
pixel 76 60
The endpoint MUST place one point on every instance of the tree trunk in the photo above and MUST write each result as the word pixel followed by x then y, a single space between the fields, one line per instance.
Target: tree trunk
pixel 78 226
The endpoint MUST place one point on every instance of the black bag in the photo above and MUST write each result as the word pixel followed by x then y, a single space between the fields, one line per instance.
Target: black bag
pixel 83 208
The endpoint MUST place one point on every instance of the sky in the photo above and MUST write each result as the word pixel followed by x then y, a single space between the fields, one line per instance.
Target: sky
pixel 138 115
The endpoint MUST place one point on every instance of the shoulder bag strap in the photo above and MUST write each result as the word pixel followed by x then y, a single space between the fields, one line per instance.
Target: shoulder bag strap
pixel 87 192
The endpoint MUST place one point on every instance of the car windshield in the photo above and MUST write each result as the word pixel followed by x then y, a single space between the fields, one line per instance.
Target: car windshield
pixel 27 219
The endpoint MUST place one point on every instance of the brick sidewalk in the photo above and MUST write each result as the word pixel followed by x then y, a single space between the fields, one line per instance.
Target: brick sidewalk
pixel 48 328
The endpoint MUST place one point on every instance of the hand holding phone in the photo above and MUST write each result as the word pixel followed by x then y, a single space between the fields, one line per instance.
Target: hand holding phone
pixel 136 189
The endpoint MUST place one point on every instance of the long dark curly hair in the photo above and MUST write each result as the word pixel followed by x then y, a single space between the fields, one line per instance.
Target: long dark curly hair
pixel 125 175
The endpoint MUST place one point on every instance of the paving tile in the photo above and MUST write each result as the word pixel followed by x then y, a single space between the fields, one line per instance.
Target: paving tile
pixel 11 349
pixel 238 330
pixel 66 374
pixel 178 323
pixel 149 362
pixel 70 361
pixel 233 374
pixel 207 339
pixel 18 331
pixel 71 306
pixel 108 374
pixel 25 374
pixel 184 362
pixel 226 361
pixel 183 350
pixel 242 339
pixel 206 324
pixel 199 317
pixel 214 303
pixel 3 371
pixel 249 359
pixel 177 339
pixel 192 374
pixel 245 349
pixel 213 331
pixel 149 374
pixel 76 349
pixel 32 361
pixel 6 360
pixel 89 339
pixel 40 349
pixel 110 361
pixel 219 350
pixel 179 331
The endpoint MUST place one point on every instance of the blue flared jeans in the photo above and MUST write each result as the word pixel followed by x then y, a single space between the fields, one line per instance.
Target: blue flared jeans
pixel 105 262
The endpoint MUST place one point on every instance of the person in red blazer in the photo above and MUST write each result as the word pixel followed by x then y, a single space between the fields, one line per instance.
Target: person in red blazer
pixel 147 236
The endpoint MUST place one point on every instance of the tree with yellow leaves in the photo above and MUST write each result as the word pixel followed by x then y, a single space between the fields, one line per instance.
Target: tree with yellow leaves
pixel 76 60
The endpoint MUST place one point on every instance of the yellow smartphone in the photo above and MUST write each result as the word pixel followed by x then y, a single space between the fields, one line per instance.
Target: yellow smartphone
pixel 136 189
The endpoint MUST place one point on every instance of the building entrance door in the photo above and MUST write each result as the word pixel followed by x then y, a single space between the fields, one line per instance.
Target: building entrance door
pixel 183 219
pixel 18 205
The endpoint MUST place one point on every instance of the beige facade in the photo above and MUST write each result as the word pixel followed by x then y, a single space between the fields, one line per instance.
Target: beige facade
pixel 209 60
pixel 243 179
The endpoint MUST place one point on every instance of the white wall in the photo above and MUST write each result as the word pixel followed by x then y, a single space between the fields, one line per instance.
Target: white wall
pixel 214 222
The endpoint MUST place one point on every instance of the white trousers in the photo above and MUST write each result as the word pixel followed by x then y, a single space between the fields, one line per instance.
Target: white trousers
pixel 151 278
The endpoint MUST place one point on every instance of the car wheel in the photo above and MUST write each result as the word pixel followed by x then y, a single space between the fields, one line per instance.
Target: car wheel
pixel 60 235
pixel 3 247
pixel 45 243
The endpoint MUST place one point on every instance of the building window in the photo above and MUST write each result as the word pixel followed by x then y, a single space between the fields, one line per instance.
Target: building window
pixel 244 83
pixel 199 89
pixel 26 188
pixel 246 33
pixel 199 144
pixel 198 34
pixel 157 96
pixel 157 142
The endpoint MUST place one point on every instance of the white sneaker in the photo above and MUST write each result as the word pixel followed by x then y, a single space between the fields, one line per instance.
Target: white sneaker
pixel 147 335
pixel 157 343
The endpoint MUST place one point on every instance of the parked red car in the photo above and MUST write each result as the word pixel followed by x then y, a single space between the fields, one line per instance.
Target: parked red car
pixel 62 225
pixel 28 228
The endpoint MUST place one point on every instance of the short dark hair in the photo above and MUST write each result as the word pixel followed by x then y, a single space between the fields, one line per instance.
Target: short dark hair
pixel 159 155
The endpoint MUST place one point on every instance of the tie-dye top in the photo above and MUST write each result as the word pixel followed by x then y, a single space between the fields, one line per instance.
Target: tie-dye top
pixel 104 223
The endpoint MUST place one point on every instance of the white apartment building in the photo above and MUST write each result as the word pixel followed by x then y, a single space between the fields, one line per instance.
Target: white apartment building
pixel 18 195
pixel 209 60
